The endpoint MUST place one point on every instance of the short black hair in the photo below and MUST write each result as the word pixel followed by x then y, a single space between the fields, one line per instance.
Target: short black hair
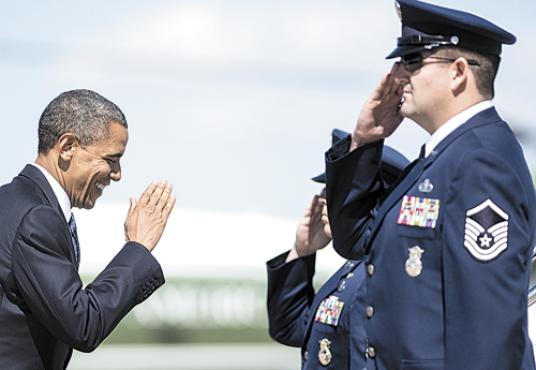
pixel 83 113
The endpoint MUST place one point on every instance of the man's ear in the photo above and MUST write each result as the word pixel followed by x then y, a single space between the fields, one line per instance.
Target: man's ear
pixel 459 70
pixel 67 145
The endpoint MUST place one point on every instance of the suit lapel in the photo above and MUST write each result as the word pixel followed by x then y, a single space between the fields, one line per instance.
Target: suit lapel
pixel 485 117
pixel 34 174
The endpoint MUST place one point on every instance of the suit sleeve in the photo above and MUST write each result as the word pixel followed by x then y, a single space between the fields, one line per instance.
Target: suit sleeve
pixel 486 294
pixel 290 295
pixel 353 188
pixel 51 289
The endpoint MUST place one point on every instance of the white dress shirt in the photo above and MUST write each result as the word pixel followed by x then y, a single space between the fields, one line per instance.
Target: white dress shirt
pixel 59 192
pixel 453 123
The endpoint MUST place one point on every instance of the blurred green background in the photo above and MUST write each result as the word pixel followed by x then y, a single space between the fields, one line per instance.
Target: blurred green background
pixel 195 324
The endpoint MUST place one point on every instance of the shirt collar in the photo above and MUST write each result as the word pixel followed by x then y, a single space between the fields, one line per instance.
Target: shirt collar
pixel 453 123
pixel 59 192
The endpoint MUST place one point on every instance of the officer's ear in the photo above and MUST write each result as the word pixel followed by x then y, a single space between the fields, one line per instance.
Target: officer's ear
pixel 459 76
pixel 66 147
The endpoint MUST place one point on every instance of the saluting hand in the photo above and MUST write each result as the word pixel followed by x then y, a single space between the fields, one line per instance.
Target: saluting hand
pixel 380 115
pixel 313 231
pixel 147 217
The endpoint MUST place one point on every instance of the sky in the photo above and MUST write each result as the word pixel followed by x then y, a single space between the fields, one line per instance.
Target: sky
pixel 231 101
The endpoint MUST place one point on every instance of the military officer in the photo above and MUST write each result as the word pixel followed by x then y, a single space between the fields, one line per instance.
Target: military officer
pixel 448 248
pixel 326 325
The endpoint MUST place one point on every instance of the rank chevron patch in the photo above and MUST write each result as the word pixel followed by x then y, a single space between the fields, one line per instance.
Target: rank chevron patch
pixel 486 231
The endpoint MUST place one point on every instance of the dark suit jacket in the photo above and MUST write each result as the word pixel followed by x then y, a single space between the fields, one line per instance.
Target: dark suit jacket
pixel 44 310
pixel 292 305
pixel 461 302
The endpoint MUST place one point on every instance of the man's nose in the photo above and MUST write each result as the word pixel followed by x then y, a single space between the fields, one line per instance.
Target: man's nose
pixel 115 175
pixel 400 72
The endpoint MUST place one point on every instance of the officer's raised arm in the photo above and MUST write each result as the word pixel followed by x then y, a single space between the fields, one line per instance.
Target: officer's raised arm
pixel 356 181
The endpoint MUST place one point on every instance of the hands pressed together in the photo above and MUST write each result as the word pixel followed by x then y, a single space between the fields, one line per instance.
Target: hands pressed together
pixel 148 215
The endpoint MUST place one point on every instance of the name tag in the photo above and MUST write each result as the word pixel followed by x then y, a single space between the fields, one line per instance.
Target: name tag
pixel 420 212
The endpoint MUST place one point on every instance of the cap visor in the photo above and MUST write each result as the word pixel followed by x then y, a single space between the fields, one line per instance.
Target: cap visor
pixel 320 178
pixel 404 50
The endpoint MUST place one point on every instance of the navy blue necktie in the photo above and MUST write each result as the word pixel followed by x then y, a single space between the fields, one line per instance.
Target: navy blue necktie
pixel 422 152
pixel 74 238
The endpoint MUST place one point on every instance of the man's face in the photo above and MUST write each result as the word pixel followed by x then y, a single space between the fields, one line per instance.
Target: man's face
pixel 93 168
pixel 426 83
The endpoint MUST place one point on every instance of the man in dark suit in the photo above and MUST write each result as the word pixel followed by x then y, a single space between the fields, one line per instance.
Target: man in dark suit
pixel 44 310
pixel 327 324
pixel 448 249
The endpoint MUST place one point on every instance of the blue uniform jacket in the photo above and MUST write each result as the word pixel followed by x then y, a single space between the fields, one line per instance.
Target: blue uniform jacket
pixel 447 250
pixel 293 305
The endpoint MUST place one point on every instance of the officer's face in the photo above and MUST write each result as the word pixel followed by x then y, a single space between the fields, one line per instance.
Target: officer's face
pixel 425 83
pixel 95 166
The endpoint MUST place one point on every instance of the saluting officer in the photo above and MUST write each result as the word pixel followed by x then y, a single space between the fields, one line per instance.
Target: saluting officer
pixel 328 325
pixel 448 248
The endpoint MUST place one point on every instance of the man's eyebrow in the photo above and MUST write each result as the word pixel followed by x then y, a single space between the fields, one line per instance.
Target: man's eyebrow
pixel 115 155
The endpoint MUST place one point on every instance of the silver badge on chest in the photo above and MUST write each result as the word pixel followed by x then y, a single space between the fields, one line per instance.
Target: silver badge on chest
pixel 426 186
pixel 324 354
pixel 414 263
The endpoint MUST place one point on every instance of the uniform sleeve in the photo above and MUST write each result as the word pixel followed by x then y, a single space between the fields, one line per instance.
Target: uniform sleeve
pixel 486 251
pixel 353 188
pixel 290 295
pixel 51 289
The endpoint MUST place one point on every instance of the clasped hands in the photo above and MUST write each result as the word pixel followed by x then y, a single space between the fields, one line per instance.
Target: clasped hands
pixel 148 215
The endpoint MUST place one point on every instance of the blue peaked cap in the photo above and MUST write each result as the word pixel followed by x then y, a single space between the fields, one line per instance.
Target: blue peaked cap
pixel 427 26
pixel 392 164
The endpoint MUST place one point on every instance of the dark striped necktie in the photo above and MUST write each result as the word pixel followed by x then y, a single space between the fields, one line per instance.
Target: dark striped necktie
pixel 74 238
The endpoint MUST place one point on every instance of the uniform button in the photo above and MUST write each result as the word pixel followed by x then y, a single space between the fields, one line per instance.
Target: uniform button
pixel 305 355
pixel 370 311
pixel 342 286
pixel 370 269
pixel 371 352
pixel 350 274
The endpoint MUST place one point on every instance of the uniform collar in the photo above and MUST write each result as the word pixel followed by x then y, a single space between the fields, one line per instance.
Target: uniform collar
pixel 453 123
pixel 59 192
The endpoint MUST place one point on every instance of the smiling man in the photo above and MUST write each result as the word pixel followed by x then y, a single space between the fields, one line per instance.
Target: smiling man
pixel 44 310
pixel 448 249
